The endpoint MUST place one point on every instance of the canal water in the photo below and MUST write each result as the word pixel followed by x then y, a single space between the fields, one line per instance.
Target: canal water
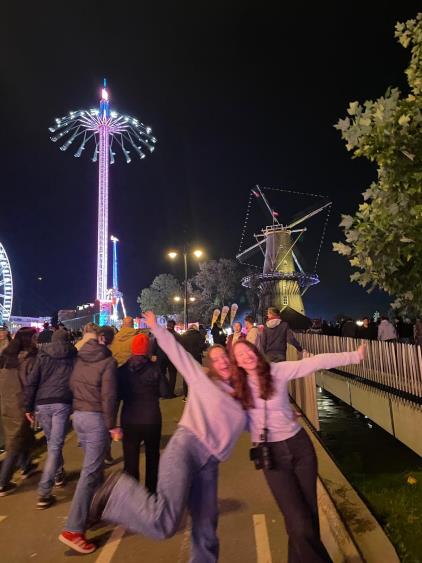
pixel 379 467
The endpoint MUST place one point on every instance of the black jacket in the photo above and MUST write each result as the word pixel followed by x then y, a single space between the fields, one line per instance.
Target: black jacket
pixel 218 335
pixel 141 385
pixel 94 383
pixel 48 381
pixel 194 342
pixel 273 341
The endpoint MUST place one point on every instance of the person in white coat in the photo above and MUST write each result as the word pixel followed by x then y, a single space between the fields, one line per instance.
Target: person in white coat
pixel 386 331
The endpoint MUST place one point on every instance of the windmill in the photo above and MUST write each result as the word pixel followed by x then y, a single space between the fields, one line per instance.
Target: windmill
pixel 283 281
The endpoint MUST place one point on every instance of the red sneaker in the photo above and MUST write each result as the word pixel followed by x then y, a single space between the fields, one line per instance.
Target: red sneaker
pixel 77 541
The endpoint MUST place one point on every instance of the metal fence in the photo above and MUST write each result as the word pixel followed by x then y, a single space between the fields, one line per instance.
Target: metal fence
pixel 387 364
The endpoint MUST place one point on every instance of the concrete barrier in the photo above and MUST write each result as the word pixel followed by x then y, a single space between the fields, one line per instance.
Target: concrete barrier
pixel 399 417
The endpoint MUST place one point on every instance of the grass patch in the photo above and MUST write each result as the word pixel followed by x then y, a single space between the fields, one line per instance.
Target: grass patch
pixel 397 505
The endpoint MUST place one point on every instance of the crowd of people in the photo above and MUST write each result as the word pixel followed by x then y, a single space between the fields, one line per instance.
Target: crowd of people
pixel 244 382
pixel 401 330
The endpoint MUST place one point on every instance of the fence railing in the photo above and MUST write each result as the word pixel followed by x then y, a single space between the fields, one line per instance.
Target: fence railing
pixel 387 364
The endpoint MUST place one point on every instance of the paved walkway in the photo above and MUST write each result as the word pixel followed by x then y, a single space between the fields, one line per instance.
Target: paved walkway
pixel 251 528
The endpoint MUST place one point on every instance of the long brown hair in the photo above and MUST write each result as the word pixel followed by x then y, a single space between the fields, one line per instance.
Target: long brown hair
pixel 211 372
pixel 240 377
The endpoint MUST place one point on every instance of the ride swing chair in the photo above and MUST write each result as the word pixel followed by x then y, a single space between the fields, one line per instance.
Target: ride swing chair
pixel 282 281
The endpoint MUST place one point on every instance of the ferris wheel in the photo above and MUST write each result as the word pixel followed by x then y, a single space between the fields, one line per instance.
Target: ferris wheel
pixel 6 287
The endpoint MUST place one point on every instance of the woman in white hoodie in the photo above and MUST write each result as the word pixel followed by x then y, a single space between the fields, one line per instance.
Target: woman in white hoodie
pixel 188 473
pixel 284 451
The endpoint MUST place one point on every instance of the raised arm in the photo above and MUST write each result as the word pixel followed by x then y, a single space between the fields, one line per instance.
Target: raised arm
pixel 292 340
pixel 301 368
pixel 185 364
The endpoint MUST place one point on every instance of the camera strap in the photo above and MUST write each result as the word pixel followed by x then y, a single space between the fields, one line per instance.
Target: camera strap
pixel 264 434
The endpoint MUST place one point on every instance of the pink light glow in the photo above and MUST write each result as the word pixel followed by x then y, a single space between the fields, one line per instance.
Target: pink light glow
pixel 104 94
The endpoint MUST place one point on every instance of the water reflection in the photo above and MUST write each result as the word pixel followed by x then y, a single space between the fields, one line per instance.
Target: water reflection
pixel 357 444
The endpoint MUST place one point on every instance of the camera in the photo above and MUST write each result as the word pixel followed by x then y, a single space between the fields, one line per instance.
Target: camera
pixel 261 456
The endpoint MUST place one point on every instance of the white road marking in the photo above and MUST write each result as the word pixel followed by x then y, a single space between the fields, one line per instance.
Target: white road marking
pixel 263 552
pixel 111 545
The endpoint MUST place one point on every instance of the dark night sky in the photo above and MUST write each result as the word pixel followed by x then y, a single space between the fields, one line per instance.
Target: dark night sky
pixel 236 93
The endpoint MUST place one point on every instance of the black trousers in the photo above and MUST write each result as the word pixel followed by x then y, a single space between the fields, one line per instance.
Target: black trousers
pixel 293 484
pixel 166 365
pixel 133 435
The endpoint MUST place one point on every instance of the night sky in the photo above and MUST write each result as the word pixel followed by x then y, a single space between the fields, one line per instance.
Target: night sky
pixel 237 94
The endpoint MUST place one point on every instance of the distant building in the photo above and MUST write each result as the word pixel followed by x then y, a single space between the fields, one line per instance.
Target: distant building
pixel 15 323
pixel 76 319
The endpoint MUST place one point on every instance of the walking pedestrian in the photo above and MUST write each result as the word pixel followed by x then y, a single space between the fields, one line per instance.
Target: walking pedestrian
pixel 45 335
pixel 141 384
pixel 290 465
pixel 90 332
pixel 387 331
pixel 194 342
pixel 252 332
pixel 210 426
pixel 94 387
pixel 234 337
pixel 275 336
pixel 164 363
pixel 122 343
pixel 47 392
pixel 5 338
pixel 16 362
pixel 218 334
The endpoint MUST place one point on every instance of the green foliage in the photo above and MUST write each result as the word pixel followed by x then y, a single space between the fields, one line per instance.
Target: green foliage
pixel 218 283
pixel 384 237
pixel 159 297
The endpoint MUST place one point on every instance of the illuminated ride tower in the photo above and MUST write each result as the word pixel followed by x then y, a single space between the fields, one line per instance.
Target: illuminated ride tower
pixel 114 295
pixel 108 130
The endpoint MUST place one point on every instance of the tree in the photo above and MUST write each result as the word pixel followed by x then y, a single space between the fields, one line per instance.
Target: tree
pixel 384 237
pixel 159 296
pixel 218 282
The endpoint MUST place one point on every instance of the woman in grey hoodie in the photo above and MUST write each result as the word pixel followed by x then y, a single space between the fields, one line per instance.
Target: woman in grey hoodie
pixel 188 473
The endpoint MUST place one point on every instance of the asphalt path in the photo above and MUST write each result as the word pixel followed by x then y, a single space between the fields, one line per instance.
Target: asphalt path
pixel 251 528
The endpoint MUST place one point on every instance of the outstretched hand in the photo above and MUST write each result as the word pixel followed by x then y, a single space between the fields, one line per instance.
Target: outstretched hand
pixel 150 319
pixel 362 352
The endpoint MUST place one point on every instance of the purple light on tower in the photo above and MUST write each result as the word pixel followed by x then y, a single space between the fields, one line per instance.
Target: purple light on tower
pixel 107 129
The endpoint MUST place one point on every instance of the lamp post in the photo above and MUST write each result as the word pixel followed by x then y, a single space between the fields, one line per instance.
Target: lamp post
pixel 173 255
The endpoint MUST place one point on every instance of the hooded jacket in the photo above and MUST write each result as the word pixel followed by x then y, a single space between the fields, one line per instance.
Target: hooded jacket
pixel 141 385
pixel 48 381
pixel 121 347
pixel 273 340
pixel 386 331
pixel 93 381
pixel 13 375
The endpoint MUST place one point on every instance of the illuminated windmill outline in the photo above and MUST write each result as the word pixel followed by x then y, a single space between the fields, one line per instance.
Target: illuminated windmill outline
pixel 283 280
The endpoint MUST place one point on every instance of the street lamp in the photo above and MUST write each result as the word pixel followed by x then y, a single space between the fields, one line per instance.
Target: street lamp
pixel 197 253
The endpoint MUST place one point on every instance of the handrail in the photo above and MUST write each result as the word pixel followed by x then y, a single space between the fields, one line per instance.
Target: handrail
pixel 387 364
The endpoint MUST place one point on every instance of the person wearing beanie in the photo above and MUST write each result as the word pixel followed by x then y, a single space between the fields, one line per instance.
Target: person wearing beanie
pixel 47 392
pixel 141 384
